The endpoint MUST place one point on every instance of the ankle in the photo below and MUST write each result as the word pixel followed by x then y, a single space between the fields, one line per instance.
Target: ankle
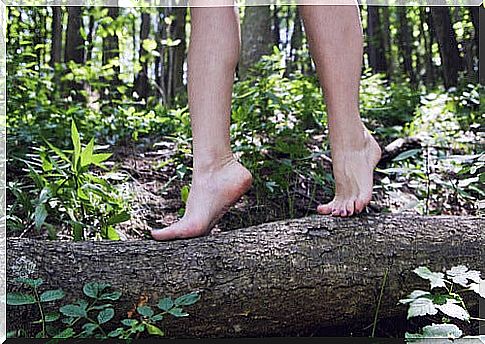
pixel 212 163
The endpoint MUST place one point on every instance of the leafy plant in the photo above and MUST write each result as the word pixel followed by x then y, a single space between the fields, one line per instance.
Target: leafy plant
pixel 71 194
pixel 446 301
pixel 90 317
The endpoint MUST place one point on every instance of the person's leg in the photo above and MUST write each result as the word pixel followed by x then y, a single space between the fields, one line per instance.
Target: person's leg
pixel 218 180
pixel 336 44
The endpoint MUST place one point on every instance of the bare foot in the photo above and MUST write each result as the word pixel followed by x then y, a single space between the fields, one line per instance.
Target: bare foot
pixel 353 170
pixel 211 195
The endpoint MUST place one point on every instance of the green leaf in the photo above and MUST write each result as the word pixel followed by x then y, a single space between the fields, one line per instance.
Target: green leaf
pixel 76 141
pixel 67 333
pixel 129 322
pixel 87 154
pixel 51 295
pixel 110 233
pixel 73 311
pixel 17 299
pixel 89 328
pixel 97 159
pixel 165 304
pixel 187 300
pixel 453 310
pixel 184 194
pixel 407 154
pixel 178 312
pixel 40 215
pixel 111 296
pixel 34 283
pixel 421 306
pixel 146 311
pixel 460 275
pixel 106 315
pixel 116 333
pixel 157 317
pixel 153 330
pixel 51 317
pixel 119 218
pixel 94 289
pixel 149 45
pixel 436 278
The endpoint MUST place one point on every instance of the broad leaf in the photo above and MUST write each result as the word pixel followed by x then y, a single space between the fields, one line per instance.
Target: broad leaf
pixel 146 311
pixel 94 289
pixel 116 333
pixel 421 306
pixel 452 309
pixel 436 278
pixel 34 283
pixel 178 312
pixel 73 311
pixel 51 295
pixel 165 304
pixel 414 295
pixel 129 322
pixel 460 275
pixel 17 299
pixel 187 300
pixel 111 296
pixel 87 154
pixel 119 218
pixel 106 315
pixel 153 330
pixel 67 333
pixel 89 328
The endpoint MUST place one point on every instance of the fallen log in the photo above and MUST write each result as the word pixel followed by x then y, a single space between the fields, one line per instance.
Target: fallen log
pixel 281 278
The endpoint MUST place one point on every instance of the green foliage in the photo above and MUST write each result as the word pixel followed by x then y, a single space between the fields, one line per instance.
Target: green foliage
pixel 445 301
pixel 69 193
pixel 90 317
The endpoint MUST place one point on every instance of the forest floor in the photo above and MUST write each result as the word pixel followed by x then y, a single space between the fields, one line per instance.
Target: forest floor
pixel 156 194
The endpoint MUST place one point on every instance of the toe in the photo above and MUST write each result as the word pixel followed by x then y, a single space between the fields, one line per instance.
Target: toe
pixel 337 208
pixel 362 202
pixel 350 207
pixel 325 209
pixel 179 230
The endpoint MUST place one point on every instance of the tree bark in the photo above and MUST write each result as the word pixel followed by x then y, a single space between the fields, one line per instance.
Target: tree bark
pixel 74 41
pixel 448 46
pixel 256 36
pixel 405 44
pixel 56 36
pixel 177 53
pixel 141 82
pixel 283 278
pixel 375 43
pixel 296 43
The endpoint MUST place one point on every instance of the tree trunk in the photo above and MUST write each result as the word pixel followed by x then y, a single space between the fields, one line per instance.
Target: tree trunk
pixel 141 82
pixel 256 36
pixel 74 41
pixel 111 46
pixel 445 35
pixel 405 44
pixel 386 37
pixel 375 43
pixel 178 53
pixel 56 35
pixel 296 43
pixel 282 278
pixel 428 48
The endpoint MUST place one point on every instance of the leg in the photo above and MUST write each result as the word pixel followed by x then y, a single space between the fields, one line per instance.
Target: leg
pixel 218 180
pixel 336 44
